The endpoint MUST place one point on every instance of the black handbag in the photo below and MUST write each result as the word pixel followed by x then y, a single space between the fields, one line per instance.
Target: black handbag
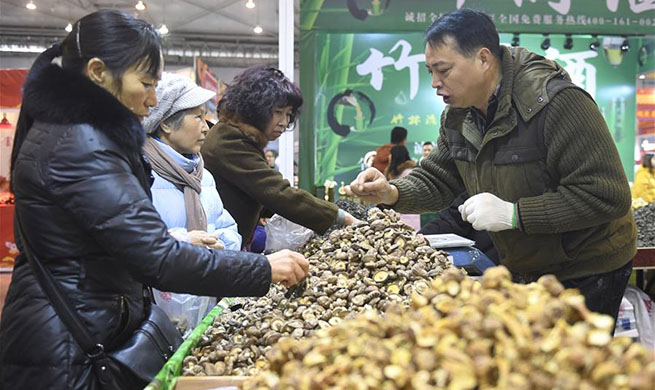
pixel 132 365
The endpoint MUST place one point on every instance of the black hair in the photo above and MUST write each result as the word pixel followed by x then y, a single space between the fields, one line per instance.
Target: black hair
pixel 398 134
pixel 398 155
pixel 647 162
pixel 471 30
pixel 275 153
pixel 117 38
pixel 426 143
pixel 255 92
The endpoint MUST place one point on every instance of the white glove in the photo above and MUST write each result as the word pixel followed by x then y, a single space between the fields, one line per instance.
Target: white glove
pixel 488 212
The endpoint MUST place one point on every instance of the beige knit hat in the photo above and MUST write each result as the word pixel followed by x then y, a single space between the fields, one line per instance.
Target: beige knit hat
pixel 174 93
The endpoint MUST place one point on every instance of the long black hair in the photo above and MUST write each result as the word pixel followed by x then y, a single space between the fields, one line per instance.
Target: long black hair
pixel 115 37
pixel 254 93
pixel 399 154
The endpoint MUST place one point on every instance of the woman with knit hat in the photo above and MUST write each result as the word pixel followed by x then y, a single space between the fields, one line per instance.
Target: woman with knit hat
pixel 184 192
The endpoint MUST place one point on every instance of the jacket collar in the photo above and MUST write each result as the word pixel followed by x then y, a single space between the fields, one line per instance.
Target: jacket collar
pixel 530 74
pixel 60 96
pixel 525 76
pixel 250 131
pixel 406 165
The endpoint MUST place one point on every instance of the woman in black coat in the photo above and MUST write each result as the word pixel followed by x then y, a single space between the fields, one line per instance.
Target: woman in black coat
pixel 82 197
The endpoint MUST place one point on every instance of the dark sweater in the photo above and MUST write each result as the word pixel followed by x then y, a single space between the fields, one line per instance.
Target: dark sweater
pixel 574 204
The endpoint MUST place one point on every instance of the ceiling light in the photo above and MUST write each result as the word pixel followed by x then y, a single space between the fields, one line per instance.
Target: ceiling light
pixel 163 30
pixel 625 46
pixel 612 50
pixel 22 48
pixel 258 29
pixel 69 27
pixel 545 45
pixel 515 40
pixel 642 77
pixel 250 4
pixel 30 5
pixel 568 42
pixel 140 6
pixel 595 43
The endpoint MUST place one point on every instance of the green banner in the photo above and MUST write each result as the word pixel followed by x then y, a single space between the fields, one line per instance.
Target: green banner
pixel 359 86
pixel 620 17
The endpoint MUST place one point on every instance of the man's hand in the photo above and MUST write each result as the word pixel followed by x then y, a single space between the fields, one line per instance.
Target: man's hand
pixel 202 238
pixel 372 187
pixel 486 211
pixel 288 267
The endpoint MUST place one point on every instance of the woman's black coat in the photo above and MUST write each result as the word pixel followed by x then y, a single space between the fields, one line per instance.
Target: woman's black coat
pixel 82 196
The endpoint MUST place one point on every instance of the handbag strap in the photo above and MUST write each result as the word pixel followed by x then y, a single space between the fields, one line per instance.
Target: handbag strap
pixel 60 303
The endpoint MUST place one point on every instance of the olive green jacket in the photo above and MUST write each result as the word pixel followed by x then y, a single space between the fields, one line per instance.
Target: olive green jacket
pixel 234 154
pixel 564 173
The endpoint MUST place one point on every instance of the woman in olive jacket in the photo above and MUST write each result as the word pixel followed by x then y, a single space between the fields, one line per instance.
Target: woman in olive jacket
pixel 258 106
pixel 83 200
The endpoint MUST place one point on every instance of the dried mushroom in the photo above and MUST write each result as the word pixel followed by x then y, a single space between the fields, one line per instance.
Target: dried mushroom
pixel 367 266
pixel 476 336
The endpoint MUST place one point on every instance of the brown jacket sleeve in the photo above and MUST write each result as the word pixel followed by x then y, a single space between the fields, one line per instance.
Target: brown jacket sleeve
pixel 243 164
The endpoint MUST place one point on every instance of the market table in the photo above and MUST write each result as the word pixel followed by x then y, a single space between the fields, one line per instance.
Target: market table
pixel 644 260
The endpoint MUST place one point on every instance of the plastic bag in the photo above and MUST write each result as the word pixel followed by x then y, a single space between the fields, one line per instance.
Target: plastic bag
pixel 626 323
pixel 284 234
pixel 644 309
pixel 184 310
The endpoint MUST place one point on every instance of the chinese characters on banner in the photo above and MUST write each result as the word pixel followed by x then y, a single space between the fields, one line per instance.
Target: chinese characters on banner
pixel 606 17
pixel 564 6
pixel 376 61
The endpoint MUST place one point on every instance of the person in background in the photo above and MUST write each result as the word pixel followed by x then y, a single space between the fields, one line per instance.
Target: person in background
pixel 533 151
pixel 82 192
pixel 427 148
pixel 368 159
pixel 184 192
pixel 644 185
pixel 271 155
pixel 400 164
pixel 4 184
pixel 382 154
pixel 258 106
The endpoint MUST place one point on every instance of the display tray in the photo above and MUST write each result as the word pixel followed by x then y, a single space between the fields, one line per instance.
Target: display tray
pixel 449 240
pixel 209 382
pixel 169 375
pixel 644 259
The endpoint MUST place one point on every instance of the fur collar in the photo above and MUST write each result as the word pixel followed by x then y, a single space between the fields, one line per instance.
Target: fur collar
pixel 409 164
pixel 60 96
pixel 250 131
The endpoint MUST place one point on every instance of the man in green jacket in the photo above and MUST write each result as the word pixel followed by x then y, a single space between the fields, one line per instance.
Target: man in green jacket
pixel 536 156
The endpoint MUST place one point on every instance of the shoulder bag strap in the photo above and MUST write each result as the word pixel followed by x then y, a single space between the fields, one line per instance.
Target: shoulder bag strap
pixel 65 311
